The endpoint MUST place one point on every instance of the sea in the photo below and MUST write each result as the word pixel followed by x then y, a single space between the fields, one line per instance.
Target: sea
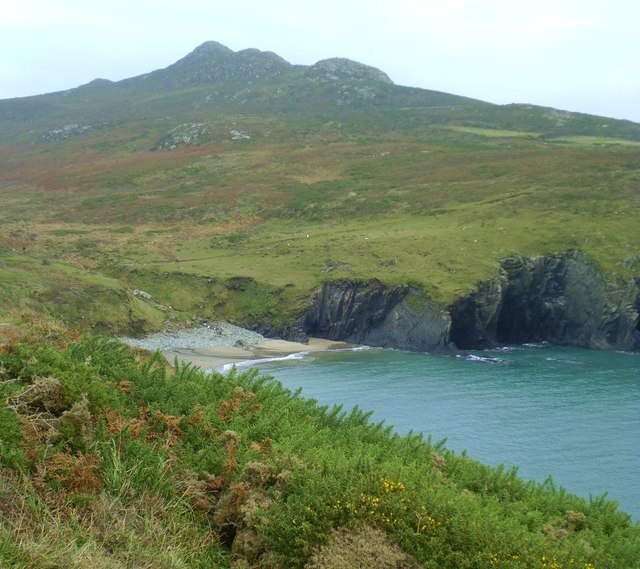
pixel 568 413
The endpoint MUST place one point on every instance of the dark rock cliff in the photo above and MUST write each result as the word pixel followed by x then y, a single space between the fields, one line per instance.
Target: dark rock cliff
pixel 562 299
pixel 636 331
pixel 374 314
pixel 474 318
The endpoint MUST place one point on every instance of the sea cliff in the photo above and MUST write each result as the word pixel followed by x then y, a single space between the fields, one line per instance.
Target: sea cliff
pixel 374 314
pixel 562 298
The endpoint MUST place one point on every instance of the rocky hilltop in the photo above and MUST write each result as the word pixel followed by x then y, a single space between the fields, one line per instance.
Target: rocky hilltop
pixel 214 78
pixel 213 62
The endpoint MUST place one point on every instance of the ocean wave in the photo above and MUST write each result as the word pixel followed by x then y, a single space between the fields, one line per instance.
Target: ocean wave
pixel 476 358
pixel 626 353
pixel 249 363
pixel 564 361
pixel 352 349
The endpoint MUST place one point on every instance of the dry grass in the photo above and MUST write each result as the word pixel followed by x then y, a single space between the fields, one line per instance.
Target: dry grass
pixel 360 548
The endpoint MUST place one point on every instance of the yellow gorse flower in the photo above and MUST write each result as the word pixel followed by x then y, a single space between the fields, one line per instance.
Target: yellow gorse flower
pixel 390 486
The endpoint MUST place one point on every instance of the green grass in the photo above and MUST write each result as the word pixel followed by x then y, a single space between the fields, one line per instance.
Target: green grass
pixel 445 253
pixel 491 132
pixel 584 140
pixel 596 140
pixel 109 459
pixel 88 299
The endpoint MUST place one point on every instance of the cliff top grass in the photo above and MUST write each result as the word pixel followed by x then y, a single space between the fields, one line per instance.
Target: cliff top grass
pixel 110 458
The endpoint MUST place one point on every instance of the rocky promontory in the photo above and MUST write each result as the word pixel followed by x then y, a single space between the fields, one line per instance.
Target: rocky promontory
pixel 562 298
pixel 377 315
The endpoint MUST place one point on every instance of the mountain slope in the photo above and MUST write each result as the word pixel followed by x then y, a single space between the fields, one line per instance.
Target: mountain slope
pixel 213 78
pixel 229 160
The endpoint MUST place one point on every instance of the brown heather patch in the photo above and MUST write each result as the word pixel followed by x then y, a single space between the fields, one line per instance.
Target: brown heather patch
pixel 115 422
pixel 172 425
pixel 217 483
pixel 9 334
pixel 154 424
pixel 83 169
pixel 124 386
pixel 241 404
pixel 31 440
pixel 197 420
pixel 75 473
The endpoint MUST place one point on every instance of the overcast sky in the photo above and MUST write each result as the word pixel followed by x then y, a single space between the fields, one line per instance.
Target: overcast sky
pixel 577 55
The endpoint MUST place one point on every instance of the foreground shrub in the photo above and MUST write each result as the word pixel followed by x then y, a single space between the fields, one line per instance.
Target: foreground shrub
pixel 112 458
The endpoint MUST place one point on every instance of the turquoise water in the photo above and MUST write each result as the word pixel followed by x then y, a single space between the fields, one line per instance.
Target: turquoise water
pixel 569 413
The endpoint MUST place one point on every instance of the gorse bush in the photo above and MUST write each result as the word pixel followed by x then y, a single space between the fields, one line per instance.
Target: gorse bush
pixel 111 458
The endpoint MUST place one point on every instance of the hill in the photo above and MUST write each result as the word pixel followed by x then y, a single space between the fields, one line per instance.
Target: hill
pixel 269 180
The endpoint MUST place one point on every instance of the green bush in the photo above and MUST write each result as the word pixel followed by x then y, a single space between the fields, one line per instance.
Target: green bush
pixel 235 465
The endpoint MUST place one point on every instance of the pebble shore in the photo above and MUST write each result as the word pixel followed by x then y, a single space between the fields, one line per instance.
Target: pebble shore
pixel 221 334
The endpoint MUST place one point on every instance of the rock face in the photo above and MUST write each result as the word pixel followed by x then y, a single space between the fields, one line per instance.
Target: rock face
pixel 474 318
pixel 374 314
pixel 562 299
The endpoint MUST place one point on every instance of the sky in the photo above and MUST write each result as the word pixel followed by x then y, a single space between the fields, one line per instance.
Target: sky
pixel 576 55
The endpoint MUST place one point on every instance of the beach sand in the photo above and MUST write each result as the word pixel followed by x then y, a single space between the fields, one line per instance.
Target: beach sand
pixel 216 357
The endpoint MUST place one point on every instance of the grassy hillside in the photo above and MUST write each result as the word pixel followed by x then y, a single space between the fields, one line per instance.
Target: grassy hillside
pixel 437 208
pixel 109 458
pixel 230 160
pixel 230 186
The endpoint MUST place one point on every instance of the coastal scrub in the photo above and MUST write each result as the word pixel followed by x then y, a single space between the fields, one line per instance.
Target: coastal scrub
pixel 111 458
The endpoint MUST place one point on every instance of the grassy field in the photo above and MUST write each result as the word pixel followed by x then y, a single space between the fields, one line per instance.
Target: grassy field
pixel 437 207
pixel 291 177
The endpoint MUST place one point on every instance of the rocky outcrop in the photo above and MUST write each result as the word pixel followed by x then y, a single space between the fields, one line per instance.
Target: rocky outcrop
pixel 184 134
pixel 213 62
pixel 474 318
pixel 377 315
pixel 339 68
pixel 562 298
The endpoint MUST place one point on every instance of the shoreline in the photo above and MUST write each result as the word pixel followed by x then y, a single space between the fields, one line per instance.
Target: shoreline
pixel 218 346
pixel 221 358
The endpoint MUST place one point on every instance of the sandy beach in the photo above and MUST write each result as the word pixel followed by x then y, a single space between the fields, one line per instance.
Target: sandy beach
pixel 217 357
pixel 216 345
